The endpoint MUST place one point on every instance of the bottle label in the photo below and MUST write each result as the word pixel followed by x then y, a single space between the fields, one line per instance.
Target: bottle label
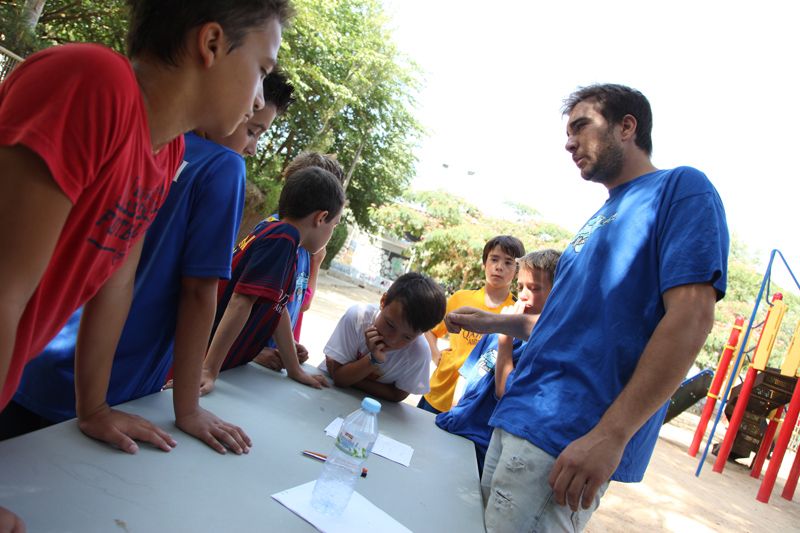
pixel 347 443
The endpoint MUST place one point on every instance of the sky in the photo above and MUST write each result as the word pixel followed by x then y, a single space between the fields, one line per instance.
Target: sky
pixel 719 77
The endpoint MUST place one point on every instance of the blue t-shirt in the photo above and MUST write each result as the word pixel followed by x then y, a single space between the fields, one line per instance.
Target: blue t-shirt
pixel 659 231
pixel 193 235
pixel 470 417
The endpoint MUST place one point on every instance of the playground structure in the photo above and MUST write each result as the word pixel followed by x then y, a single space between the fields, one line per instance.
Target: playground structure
pixel 764 394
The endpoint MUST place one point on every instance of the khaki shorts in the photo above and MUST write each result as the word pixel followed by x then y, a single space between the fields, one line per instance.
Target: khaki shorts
pixel 516 494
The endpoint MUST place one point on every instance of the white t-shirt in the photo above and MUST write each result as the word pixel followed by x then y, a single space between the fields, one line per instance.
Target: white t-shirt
pixel 408 368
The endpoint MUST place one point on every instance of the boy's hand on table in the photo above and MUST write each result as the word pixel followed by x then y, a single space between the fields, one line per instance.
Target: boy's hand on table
pixel 10 523
pixel 120 429
pixel 302 352
pixel 207 380
pixel 271 357
pixel 312 380
pixel 375 343
pixel 218 434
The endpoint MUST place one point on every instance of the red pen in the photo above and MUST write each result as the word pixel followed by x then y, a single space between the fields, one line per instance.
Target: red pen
pixel 321 457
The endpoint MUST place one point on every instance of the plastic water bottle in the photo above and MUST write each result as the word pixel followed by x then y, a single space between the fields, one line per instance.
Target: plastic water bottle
pixel 342 468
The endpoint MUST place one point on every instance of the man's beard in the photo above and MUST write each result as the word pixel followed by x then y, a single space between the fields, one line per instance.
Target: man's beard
pixel 609 163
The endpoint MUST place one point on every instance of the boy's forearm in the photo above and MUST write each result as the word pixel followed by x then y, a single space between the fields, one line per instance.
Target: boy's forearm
pixel 101 326
pixel 504 364
pixel 196 310
pixel 383 391
pixel 433 341
pixel 351 373
pixel 233 320
pixel 33 210
pixel 284 340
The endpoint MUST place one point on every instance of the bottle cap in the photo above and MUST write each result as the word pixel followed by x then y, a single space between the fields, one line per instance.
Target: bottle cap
pixel 370 405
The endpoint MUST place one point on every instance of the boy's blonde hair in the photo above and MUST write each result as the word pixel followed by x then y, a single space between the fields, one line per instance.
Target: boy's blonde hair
pixel 545 260
pixel 315 159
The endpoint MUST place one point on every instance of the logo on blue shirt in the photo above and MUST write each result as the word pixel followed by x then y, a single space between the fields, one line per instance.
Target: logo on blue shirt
pixel 590 227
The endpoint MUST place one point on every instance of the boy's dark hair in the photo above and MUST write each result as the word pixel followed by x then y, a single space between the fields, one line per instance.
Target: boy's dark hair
pixel 423 300
pixel 158 28
pixel 315 159
pixel 278 91
pixel 544 260
pixel 616 101
pixel 308 190
pixel 510 245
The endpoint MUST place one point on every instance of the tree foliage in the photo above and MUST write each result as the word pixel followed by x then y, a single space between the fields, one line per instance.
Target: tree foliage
pixel 64 21
pixel 355 91
pixel 355 98
pixel 449 235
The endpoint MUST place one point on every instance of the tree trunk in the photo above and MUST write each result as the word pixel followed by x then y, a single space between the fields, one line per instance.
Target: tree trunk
pixel 350 170
pixel 31 13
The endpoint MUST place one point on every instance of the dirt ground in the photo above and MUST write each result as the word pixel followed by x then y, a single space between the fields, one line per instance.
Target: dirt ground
pixel 670 498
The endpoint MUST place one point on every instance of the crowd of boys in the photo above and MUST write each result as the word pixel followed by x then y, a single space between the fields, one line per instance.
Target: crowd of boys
pixel 121 194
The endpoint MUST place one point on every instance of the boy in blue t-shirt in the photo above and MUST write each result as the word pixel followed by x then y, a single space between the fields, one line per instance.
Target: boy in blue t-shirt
pixel 186 251
pixel 252 305
pixel 489 367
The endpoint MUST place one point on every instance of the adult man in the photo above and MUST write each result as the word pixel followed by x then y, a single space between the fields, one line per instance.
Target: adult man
pixel 631 305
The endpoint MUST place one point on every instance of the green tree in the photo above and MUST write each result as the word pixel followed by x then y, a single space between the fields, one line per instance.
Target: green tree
pixel 355 98
pixel 450 234
pixel 62 21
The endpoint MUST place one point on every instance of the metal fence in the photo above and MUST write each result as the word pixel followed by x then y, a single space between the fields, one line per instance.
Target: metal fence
pixel 8 60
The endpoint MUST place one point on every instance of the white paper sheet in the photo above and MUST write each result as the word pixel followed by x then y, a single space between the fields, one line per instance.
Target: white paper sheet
pixel 384 446
pixel 359 515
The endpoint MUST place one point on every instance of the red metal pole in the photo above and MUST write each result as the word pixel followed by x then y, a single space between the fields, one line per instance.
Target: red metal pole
pixel 780 447
pixel 716 385
pixel 741 402
pixel 736 420
pixel 791 482
pixel 766 443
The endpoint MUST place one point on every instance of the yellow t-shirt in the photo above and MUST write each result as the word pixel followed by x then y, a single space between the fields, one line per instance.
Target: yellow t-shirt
pixel 445 377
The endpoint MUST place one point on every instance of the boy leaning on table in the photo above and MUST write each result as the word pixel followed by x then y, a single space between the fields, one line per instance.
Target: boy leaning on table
pixel 380 349
pixel 89 142
pixel 186 252
pixel 251 306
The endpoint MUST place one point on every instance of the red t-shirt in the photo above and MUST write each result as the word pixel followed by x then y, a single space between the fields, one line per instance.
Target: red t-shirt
pixel 80 109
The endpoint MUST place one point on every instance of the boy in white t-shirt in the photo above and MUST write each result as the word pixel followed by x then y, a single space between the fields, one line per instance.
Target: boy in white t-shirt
pixel 381 350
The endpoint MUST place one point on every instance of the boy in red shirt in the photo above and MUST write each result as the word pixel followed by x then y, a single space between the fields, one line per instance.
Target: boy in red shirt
pixel 89 144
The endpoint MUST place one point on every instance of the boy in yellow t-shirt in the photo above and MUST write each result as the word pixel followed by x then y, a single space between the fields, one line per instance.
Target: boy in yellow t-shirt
pixel 500 267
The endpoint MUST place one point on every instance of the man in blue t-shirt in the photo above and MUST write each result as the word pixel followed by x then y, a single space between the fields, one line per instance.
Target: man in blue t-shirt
pixel 632 304
pixel 186 251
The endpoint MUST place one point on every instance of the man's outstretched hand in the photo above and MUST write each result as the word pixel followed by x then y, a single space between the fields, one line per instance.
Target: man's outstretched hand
pixel 470 319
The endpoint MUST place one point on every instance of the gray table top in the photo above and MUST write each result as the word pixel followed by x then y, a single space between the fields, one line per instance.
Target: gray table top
pixel 56 479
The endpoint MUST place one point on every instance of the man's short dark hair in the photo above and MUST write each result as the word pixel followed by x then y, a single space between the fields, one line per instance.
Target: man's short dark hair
pixel 308 190
pixel 158 28
pixel 422 299
pixel 278 91
pixel 616 101
pixel 510 245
